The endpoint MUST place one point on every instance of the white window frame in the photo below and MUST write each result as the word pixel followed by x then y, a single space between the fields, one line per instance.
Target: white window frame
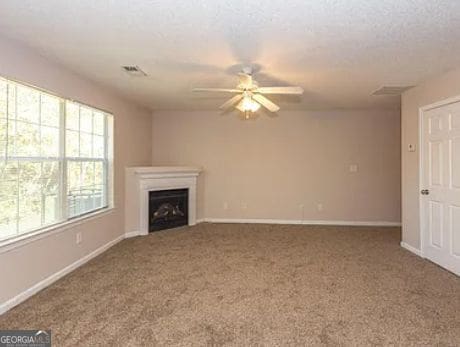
pixel 63 221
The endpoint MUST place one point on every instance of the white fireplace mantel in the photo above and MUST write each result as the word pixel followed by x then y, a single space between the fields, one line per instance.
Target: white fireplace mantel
pixel 141 180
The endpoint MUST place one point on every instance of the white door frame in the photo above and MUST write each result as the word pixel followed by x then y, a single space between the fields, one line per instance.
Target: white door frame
pixel 421 113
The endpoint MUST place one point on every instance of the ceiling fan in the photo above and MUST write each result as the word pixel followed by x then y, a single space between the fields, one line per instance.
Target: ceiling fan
pixel 249 96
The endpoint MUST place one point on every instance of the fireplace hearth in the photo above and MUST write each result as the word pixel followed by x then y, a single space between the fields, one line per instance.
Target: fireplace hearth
pixel 168 209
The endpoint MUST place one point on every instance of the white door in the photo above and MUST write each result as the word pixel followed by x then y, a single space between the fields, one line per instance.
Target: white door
pixel 440 195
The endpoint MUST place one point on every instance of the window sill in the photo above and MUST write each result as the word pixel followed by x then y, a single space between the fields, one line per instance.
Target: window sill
pixel 22 240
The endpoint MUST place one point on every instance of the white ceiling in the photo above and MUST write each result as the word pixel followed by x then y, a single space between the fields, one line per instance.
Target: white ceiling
pixel 338 51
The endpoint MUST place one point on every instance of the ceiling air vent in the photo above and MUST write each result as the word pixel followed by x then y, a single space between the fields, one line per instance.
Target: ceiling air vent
pixel 393 90
pixel 134 70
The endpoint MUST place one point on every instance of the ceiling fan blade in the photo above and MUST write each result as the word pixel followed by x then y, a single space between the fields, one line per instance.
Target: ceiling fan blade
pixel 266 103
pixel 245 80
pixel 280 90
pixel 231 101
pixel 219 90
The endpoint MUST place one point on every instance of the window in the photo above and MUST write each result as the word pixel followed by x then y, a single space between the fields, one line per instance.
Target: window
pixel 54 159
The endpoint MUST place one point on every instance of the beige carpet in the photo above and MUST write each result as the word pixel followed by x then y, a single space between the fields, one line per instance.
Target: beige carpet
pixel 222 284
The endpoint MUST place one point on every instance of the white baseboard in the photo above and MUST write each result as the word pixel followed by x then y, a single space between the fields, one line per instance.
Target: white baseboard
pixel 301 222
pixel 130 234
pixel 414 250
pixel 7 305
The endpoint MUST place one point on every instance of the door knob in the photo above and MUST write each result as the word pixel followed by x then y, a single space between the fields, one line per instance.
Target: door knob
pixel 425 192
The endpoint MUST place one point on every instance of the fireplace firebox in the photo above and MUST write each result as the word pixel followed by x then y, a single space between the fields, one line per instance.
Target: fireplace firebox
pixel 168 209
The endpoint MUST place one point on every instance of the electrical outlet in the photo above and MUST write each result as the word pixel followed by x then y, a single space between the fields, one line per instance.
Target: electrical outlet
pixel 79 238
pixel 320 207
pixel 225 205
pixel 354 168
pixel 411 147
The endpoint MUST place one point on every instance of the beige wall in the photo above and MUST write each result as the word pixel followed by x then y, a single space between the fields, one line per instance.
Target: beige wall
pixel 22 267
pixel 273 165
pixel 436 89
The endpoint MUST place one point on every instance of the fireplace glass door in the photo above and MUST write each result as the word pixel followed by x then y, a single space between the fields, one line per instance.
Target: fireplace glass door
pixel 168 209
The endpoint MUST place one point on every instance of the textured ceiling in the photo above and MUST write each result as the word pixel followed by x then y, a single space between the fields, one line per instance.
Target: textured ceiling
pixel 338 51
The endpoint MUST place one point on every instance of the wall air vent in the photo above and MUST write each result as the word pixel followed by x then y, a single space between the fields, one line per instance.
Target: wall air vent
pixel 134 70
pixel 391 90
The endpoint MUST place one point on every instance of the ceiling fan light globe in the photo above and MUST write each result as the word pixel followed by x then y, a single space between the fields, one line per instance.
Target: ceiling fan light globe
pixel 249 105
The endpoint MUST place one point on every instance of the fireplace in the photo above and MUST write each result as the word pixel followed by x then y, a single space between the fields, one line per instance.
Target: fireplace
pixel 140 181
pixel 168 209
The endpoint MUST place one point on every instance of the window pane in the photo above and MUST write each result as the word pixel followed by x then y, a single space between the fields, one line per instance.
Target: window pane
pixel 50 109
pixel 50 177
pixel 88 188
pixel 72 144
pixel 86 191
pixel 50 188
pixel 72 116
pixel 28 104
pixel 11 138
pixel 51 210
pixel 88 174
pixel 73 188
pixel 11 101
pixel 9 183
pixel 98 146
pixel 9 190
pixel 86 120
pixel 28 195
pixel 50 142
pixel 3 98
pixel 85 145
pixel 8 218
pixel 99 173
pixel 98 122
pixel 27 139
pixel 73 175
pixel 30 203
pixel 99 183
pixel 8 199
pixel 3 137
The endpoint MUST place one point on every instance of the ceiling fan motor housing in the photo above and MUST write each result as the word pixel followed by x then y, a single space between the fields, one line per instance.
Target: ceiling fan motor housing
pixel 247 70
